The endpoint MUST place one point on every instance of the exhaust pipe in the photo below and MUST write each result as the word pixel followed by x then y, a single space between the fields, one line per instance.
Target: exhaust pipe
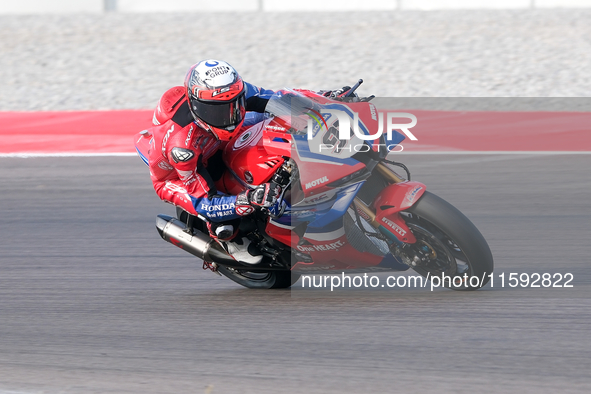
pixel 201 245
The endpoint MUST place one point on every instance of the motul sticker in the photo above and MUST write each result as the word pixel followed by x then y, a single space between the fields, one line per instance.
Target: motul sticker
pixel 181 154
pixel 317 182
pixel 374 112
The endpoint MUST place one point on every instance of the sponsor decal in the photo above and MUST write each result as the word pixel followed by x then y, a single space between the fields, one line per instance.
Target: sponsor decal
pixel 174 188
pixel 304 212
pixel 240 142
pixel 176 242
pixel 165 140
pixel 218 207
pixel 316 268
pixel 317 182
pixel 244 210
pixel 189 136
pixel 410 196
pixel 321 248
pixel 165 166
pixel 316 199
pixel 374 112
pixel 363 214
pixel 319 119
pixel 181 154
pixel 394 226
pixel 218 210
pixel 276 128
pixel 212 63
pixel 220 91
pixel 217 71
pixel 244 139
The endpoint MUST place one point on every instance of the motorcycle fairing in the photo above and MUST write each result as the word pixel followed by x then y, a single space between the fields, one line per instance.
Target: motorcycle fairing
pixel 143 140
pixel 329 247
pixel 398 197
pixel 282 232
pixel 390 202
pixel 248 160
pixel 317 171
pixel 296 214
pixel 344 199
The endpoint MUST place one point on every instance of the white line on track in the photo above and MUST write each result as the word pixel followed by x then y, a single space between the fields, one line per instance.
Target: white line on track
pixel 462 152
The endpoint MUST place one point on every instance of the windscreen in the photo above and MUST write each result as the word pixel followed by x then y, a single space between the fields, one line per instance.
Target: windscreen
pixel 292 108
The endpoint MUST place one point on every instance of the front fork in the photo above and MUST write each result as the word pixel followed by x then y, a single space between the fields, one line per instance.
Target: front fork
pixel 386 217
pixel 390 175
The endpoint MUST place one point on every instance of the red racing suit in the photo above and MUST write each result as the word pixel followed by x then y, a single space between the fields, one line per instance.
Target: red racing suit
pixel 185 160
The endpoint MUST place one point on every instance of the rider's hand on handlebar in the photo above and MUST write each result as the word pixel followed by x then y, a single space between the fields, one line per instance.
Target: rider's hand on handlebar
pixel 339 94
pixel 265 195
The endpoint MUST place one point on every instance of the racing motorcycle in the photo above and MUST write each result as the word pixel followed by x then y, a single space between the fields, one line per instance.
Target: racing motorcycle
pixel 344 206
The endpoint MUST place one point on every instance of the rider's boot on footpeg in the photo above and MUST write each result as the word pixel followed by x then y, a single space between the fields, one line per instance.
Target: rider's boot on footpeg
pixel 242 250
pixel 239 248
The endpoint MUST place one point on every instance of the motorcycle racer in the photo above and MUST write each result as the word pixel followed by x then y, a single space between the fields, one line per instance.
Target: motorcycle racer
pixel 193 123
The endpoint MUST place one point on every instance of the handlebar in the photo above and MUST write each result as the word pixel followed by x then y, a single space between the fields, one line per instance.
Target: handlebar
pixel 354 88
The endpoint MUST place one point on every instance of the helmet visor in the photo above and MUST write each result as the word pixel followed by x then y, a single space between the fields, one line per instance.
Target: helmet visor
pixel 222 113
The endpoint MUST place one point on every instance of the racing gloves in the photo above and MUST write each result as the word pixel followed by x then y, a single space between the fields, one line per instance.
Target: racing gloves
pixel 336 93
pixel 263 196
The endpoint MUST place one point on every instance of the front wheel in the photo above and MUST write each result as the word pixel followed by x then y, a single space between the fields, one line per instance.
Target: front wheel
pixel 260 280
pixel 448 245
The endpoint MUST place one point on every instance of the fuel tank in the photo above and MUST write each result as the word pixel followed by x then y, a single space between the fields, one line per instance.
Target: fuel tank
pixel 249 163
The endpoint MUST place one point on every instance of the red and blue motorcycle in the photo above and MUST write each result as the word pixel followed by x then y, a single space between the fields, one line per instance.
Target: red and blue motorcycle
pixel 344 207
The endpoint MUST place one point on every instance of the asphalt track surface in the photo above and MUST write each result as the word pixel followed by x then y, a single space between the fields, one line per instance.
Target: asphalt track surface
pixel 92 301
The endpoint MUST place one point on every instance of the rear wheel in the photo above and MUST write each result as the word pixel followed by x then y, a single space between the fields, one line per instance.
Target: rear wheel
pixel 250 279
pixel 260 280
pixel 448 245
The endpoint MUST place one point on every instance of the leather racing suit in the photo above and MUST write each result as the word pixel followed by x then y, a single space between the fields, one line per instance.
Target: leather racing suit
pixel 185 159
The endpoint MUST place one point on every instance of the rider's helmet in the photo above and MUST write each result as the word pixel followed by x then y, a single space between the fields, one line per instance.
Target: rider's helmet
pixel 216 97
